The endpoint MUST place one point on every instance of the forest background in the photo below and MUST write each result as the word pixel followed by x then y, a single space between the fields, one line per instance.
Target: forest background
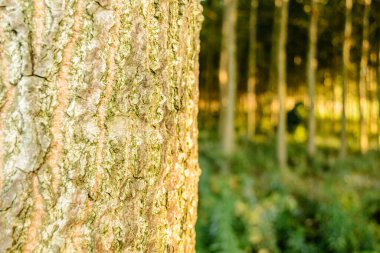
pixel 289 121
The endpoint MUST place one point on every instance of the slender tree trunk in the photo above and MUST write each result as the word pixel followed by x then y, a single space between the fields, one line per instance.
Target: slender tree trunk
pixel 273 99
pixel 378 91
pixel 371 115
pixel 252 75
pixel 98 126
pixel 281 84
pixel 227 77
pixel 345 78
pixel 311 74
pixel 363 81
pixel 334 111
pixel 209 67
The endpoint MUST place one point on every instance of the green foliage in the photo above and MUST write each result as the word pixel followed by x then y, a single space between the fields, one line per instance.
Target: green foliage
pixel 333 207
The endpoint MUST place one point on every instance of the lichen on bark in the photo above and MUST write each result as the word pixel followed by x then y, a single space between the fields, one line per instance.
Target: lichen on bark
pixel 98 125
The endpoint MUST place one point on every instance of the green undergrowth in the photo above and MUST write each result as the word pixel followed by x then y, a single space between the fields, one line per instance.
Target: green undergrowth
pixel 317 205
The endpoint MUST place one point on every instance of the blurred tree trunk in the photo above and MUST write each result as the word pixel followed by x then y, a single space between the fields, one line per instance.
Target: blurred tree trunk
pixel 345 78
pixel 273 100
pixel 363 79
pixel 312 64
pixel 281 83
pixel 98 126
pixel 209 81
pixel 334 111
pixel 378 89
pixel 252 69
pixel 227 77
pixel 209 67
pixel 371 99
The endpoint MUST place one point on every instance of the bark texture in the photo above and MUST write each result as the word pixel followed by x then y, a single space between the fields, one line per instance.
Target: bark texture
pixel 98 130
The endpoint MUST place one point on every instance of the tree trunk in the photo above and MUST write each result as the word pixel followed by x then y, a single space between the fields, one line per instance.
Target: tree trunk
pixel 273 100
pixel 252 77
pixel 98 126
pixel 227 77
pixel 363 81
pixel 371 112
pixel 378 90
pixel 345 78
pixel 311 75
pixel 281 84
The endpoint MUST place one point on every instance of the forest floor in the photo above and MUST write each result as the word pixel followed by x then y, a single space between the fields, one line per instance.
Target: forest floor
pixel 325 205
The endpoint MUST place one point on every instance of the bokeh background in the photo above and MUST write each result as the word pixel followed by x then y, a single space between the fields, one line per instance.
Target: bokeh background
pixel 289 126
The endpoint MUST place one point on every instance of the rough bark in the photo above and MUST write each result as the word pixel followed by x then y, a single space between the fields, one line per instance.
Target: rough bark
pixel 363 81
pixel 252 77
pixel 281 83
pixel 98 125
pixel 312 64
pixel 345 78
pixel 227 77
